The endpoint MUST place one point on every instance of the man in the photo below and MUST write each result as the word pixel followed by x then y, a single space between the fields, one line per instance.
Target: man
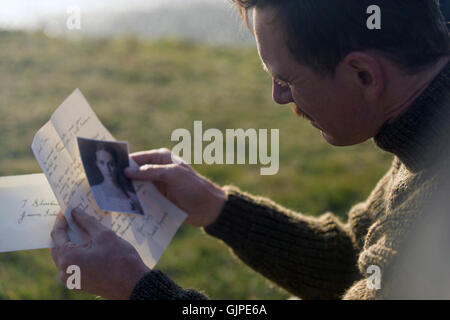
pixel 352 83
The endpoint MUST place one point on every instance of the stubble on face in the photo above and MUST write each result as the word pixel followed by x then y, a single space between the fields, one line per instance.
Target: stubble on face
pixel 298 112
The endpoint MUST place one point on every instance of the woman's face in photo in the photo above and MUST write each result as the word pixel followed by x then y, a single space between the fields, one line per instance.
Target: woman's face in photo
pixel 105 163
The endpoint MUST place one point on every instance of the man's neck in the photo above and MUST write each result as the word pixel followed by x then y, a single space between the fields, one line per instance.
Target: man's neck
pixel 406 89
pixel 419 136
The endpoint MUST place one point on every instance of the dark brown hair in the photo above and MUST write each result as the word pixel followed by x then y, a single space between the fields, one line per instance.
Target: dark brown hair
pixel 321 33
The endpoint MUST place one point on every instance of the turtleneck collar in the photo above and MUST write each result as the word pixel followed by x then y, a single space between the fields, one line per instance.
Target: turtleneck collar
pixel 422 133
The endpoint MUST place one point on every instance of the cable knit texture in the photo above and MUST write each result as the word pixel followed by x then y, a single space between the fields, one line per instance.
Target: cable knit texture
pixel 397 229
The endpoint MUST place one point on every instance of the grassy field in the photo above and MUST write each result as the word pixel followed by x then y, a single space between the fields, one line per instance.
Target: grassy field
pixel 142 91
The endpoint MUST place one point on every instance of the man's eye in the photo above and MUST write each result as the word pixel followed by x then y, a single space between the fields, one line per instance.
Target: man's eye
pixel 281 83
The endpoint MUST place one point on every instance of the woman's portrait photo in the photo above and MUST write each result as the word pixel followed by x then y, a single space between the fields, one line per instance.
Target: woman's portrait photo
pixel 104 162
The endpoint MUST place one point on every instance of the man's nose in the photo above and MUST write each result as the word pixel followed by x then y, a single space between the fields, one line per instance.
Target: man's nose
pixel 280 94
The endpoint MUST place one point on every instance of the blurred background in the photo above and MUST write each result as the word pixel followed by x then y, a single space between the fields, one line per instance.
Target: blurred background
pixel 148 68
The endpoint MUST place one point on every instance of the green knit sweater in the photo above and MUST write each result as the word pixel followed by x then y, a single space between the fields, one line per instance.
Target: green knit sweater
pixel 398 229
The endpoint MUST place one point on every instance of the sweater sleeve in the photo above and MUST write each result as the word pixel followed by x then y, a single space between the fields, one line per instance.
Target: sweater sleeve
pixel 155 285
pixel 313 258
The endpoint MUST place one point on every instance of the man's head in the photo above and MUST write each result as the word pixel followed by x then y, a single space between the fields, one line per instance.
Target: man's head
pixel 337 72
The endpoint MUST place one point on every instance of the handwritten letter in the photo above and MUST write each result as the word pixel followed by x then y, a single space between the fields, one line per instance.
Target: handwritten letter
pixel 55 148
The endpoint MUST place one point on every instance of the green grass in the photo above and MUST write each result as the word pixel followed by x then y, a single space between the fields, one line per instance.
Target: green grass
pixel 142 91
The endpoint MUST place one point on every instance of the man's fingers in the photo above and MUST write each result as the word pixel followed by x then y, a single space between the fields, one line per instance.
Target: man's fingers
pixel 59 232
pixel 87 223
pixel 156 172
pixel 158 156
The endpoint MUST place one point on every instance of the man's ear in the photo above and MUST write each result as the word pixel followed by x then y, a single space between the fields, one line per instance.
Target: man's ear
pixel 367 72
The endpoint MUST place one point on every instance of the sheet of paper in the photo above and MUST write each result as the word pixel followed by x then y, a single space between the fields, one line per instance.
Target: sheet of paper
pixel 29 209
pixel 55 148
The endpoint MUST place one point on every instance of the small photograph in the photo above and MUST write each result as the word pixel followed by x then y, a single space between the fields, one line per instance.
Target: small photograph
pixel 104 162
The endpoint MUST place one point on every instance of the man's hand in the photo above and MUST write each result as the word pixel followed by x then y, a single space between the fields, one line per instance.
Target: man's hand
pixel 201 199
pixel 110 266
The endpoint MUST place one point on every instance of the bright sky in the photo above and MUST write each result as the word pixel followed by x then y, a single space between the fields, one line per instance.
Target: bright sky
pixel 17 13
